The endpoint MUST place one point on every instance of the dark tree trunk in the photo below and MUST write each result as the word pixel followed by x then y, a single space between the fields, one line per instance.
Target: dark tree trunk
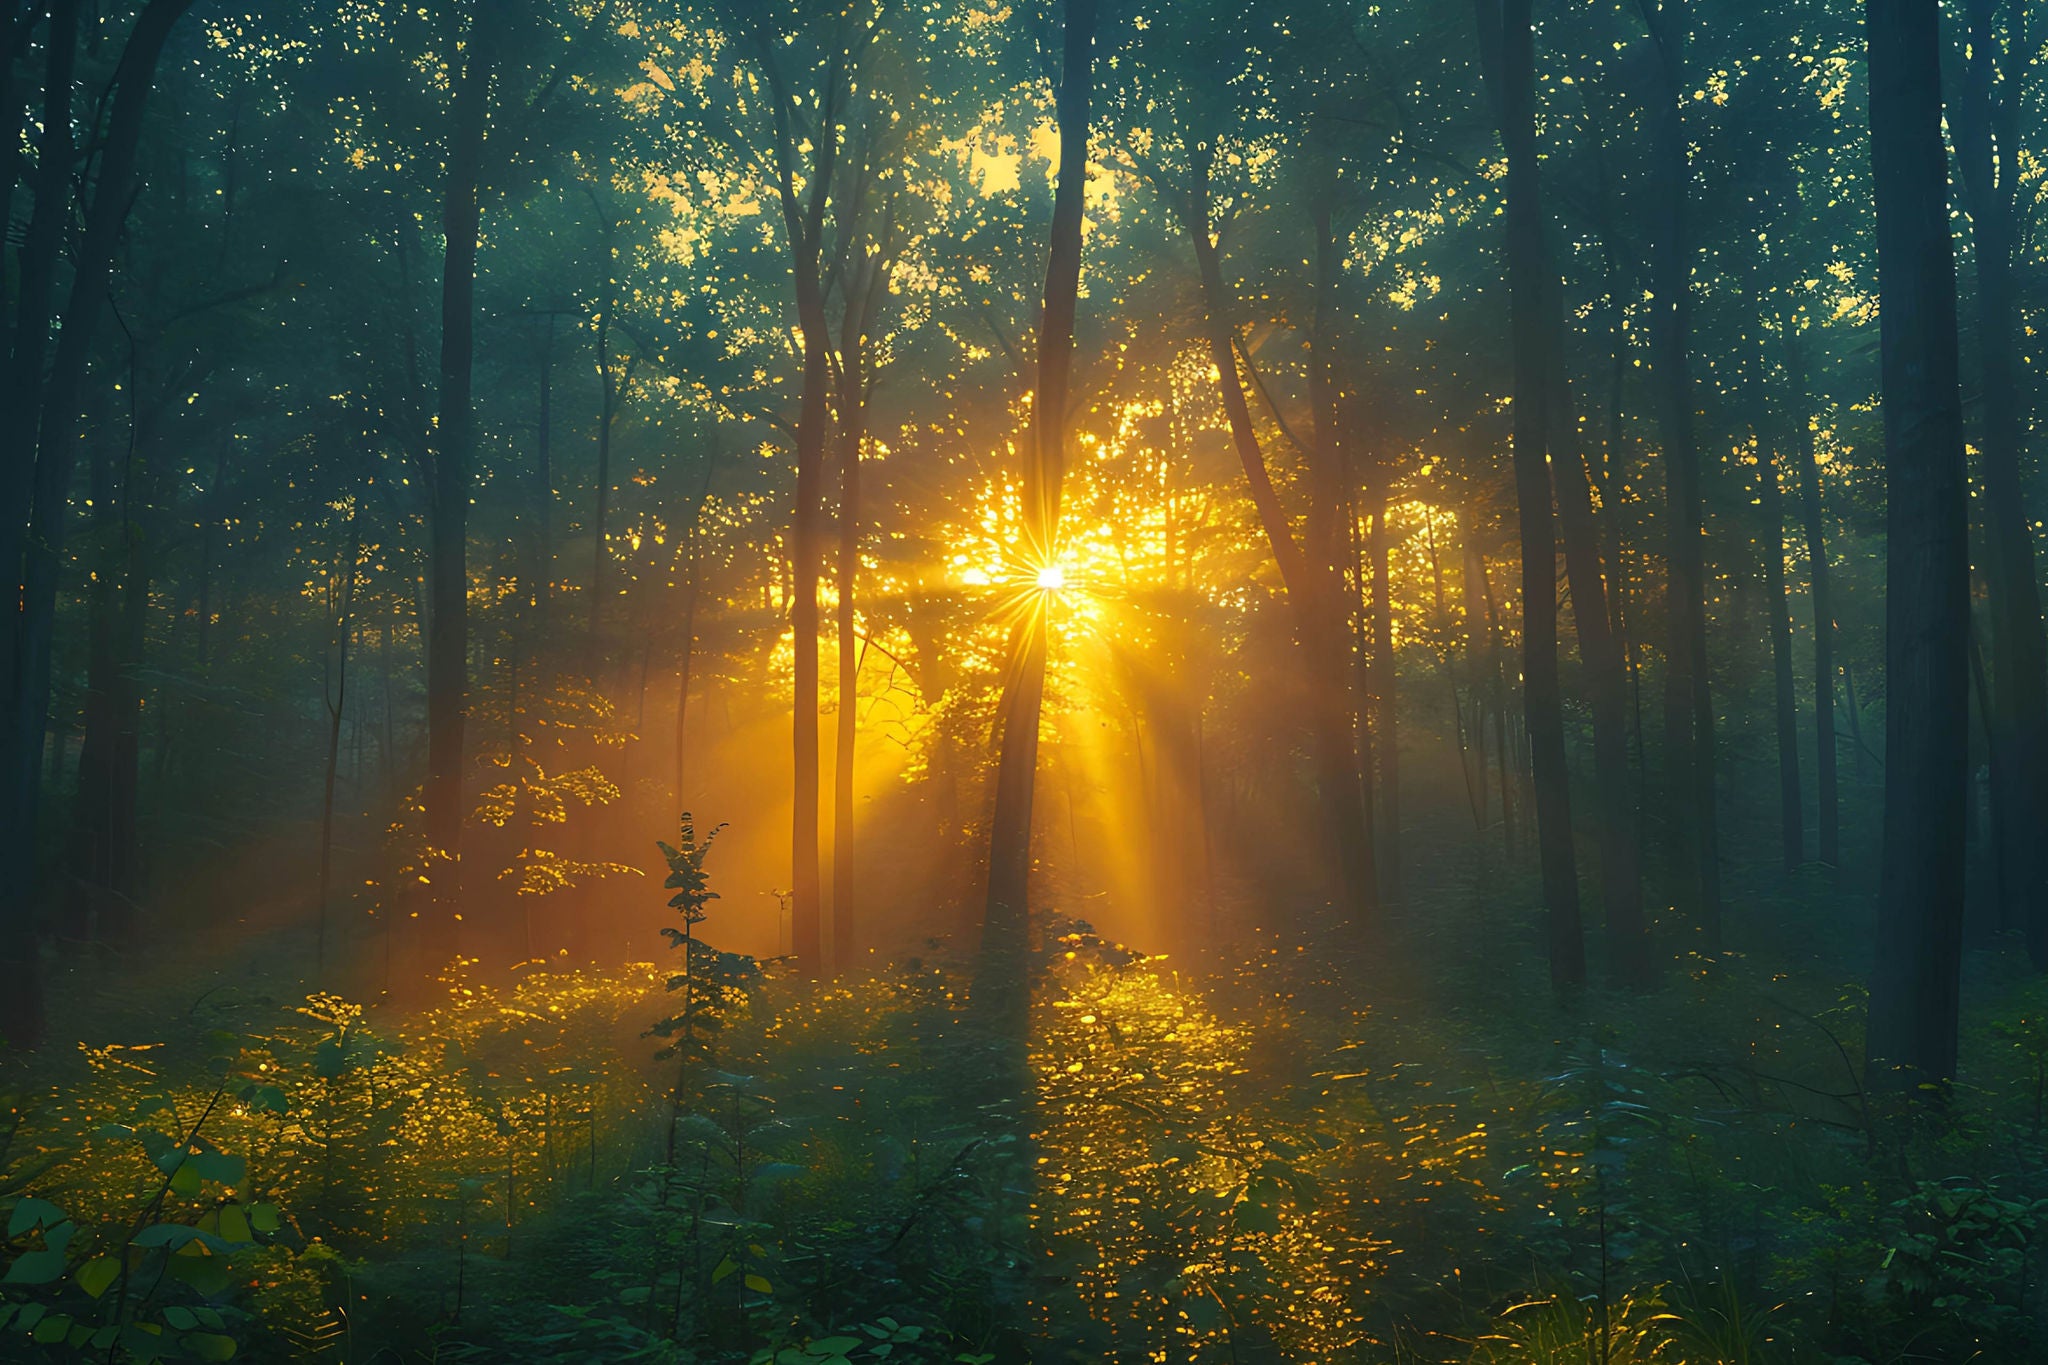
pixel 1479 671
pixel 1916 980
pixel 1985 117
pixel 92 881
pixel 342 603
pixel 803 216
pixel 1314 590
pixel 862 298
pixel 1791 802
pixel 540 590
pixel 448 568
pixel 1510 772
pixel 1600 648
pixel 1532 334
pixel 1386 727
pixel 1826 759
pixel 1688 708
pixel 44 438
pixel 1002 987
pixel 608 408
pixel 691 592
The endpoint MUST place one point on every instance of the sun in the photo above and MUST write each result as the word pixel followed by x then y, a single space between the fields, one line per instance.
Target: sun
pixel 1052 578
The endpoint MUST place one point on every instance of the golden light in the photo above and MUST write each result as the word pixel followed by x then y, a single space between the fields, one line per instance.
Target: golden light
pixel 1052 578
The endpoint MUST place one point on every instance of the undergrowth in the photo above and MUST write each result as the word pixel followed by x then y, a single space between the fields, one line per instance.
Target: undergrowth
pixel 1235 1167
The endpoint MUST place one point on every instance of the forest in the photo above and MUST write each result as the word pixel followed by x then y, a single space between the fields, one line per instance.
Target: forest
pixel 892 682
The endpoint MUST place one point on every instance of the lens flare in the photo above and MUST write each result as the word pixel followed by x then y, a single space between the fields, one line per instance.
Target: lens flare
pixel 1052 578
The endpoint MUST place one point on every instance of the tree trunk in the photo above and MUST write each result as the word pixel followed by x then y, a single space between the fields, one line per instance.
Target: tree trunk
pixel 1002 986
pixel 1532 334
pixel 859 315
pixel 1479 673
pixel 1386 729
pixel 1987 137
pixel 1314 590
pixel 1688 709
pixel 1510 773
pixel 46 438
pixel 1600 650
pixel 448 621
pixel 608 401
pixel 344 619
pixel 689 649
pixel 1915 984
pixel 1791 802
pixel 1826 759
pixel 91 836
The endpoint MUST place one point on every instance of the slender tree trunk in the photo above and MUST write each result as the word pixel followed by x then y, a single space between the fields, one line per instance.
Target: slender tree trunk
pixel 852 415
pixel 1688 708
pixel 1600 649
pixel 689 649
pixel 1510 772
pixel 1332 542
pixel 1386 730
pixel 1002 987
pixel 45 438
pixel 1791 802
pixel 448 620
pixel 1915 984
pixel 1478 654
pixel 1985 117
pixel 600 553
pixel 344 617
pixel 1826 759
pixel 1314 591
pixel 542 590
pixel 91 834
pixel 1532 333
pixel 803 214
pixel 36 273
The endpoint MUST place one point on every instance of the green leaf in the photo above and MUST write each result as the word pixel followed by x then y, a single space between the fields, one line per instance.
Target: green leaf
pixel 33 1213
pixel 185 1179
pixel 209 1345
pixel 725 1268
pixel 36 1267
pixel 636 1293
pixel 759 1284
pixel 180 1319
pixel 52 1328
pixel 234 1225
pixel 208 1275
pixel 219 1167
pixel 833 1346
pixel 98 1273
pixel 264 1218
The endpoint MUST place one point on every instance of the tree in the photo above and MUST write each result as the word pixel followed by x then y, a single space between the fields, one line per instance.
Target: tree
pixel 454 452
pixel 1915 984
pixel 1001 983
pixel 1985 116
pixel 1535 391
pixel 1688 704
pixel 42 440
